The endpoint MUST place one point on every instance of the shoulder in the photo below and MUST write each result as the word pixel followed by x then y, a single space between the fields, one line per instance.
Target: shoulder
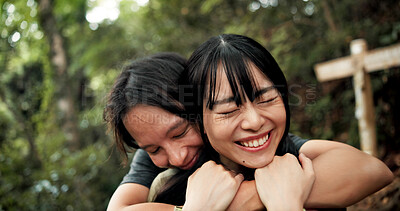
pixel 141 160
pixel 315 147
pixel 142 169
pixel 298 142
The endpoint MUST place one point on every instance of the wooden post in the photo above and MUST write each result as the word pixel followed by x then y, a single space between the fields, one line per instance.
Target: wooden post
pixel 359 64
pixel 365 112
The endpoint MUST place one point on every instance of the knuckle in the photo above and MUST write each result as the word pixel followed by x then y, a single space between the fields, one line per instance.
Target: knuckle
pixel 290 157
pixel 209 163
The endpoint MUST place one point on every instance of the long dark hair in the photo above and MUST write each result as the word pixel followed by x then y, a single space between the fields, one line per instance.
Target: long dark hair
pixel 235 53
pixel 151 81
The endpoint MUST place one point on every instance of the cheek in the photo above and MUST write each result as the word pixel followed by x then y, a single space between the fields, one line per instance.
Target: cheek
pixel 193 138
pixel 196 140
pixel 283 116
pixel 210 131
pixel 218 136
pixel 218 132
pixel 278 114
pixel 160 161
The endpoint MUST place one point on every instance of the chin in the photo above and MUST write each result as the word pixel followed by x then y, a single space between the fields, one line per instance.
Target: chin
pixel 256 165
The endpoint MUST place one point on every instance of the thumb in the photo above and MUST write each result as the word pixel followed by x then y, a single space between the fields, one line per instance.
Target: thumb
pixel 306 163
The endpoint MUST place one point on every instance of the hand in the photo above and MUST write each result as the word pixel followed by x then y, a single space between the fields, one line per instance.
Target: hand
pixel 284 184
pixel 211 187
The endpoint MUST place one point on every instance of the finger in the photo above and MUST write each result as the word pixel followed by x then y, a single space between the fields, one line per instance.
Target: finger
pixel 306 163
pixel 196 172
pixel 290 157
pixel 239 178
pixel 210 163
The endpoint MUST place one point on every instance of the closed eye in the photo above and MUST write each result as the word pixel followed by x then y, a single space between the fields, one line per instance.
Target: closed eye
pixel 183 133
pixel 267 101
pixel 228 112
pixel 155 151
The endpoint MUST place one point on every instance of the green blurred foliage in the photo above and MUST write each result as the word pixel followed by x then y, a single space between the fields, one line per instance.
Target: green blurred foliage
pixel 38 170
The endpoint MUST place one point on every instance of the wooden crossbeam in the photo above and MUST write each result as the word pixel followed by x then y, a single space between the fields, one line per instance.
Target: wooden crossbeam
pixel 374 60
pixel 358 65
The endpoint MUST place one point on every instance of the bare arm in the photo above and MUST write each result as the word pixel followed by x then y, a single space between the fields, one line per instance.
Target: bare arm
pixel 216 194
pixel 131 196
pixel 247 198
pixel 344 174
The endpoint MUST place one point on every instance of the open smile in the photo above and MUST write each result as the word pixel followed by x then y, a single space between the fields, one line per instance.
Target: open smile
pixel 255 143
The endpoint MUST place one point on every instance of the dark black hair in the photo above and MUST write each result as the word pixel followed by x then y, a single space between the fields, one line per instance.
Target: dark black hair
pixel 151 81
pixel 235 53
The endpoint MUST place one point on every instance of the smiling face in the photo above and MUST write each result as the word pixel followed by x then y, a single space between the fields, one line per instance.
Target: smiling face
pixel 169 140
pixel 247 134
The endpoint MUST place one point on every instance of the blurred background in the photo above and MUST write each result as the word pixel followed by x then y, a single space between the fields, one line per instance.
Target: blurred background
pixel 58 60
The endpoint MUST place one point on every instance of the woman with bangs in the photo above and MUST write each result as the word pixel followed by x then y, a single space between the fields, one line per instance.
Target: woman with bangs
pixel 247 125
pixel 244 116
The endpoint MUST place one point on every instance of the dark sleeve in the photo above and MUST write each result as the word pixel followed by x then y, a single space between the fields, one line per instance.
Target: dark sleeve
pixel 298 142
pixel 143 171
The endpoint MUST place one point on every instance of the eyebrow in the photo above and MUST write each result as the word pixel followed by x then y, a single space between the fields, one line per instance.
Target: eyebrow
pixel 263 90
pixel 176 125
pixel 173 127
pixel 226 100
pixel 257 94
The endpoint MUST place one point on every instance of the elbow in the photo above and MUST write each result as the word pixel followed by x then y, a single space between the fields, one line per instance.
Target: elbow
pixel 373 176
pixel 386 175
pixel 378 174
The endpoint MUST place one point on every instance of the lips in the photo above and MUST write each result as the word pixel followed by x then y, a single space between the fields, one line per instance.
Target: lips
pixel 255 142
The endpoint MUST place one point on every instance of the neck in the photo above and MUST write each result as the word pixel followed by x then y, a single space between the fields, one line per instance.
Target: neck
pixel 230 165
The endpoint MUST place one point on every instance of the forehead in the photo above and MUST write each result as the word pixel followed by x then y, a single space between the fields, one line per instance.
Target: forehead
pixel 142 119
pixel 223 88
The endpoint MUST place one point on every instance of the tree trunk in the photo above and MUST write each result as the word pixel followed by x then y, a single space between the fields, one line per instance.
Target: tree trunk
pixel 328 16
pixel 59 61
pixel 28 131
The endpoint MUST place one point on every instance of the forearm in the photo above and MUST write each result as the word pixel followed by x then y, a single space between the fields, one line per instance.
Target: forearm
pixel 247 198
pixel 145 206
pixel 344 176
pixel 132 196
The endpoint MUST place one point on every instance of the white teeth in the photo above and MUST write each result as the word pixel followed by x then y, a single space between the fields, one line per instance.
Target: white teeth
pixel 255 143
pixel 261 141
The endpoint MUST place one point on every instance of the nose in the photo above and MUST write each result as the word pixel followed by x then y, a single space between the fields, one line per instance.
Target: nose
pixel 177 155
pixel 252 119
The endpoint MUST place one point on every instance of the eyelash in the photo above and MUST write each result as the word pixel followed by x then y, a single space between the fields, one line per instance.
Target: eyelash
pixel 155 152
pixel 229 112
pixel 233 111
pixel 268 101
pixel 182 134
pixel 177 136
